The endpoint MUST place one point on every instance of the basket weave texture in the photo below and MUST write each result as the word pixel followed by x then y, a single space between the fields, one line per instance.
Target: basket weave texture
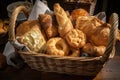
pixel 88 5
pixel 87 66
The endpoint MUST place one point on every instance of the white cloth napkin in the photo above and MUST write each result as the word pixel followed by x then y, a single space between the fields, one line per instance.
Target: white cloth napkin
pixel 38 8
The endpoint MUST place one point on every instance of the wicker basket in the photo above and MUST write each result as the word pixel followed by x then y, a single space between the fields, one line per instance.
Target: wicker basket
pixel 87 66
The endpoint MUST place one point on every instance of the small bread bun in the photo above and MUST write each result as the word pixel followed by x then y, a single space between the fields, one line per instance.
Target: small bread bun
pixel 78 12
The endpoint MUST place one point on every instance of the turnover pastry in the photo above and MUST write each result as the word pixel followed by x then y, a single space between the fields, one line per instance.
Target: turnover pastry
pixel 30 34
pixel 65 24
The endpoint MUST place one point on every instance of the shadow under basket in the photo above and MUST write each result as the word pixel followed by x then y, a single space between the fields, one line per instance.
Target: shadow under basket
pixel 86 66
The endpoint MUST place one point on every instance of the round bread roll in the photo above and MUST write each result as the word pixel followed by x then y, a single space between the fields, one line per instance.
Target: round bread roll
pixel 57 46
pixel 76 38
pixel 78 12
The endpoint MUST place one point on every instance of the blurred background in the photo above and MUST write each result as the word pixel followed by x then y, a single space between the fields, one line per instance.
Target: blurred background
pixel 109 6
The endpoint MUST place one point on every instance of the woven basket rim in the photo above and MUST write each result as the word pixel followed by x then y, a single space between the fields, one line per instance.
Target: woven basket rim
pixel 82 58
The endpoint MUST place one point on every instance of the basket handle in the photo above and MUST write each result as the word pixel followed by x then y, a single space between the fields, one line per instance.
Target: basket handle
pixel 112 37
pixel 13 21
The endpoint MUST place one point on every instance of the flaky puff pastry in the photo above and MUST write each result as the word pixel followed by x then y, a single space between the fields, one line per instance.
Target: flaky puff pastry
pixel 30 34
pixel 65 24
pixel 76 38
pixel 49 24
pixel 94 50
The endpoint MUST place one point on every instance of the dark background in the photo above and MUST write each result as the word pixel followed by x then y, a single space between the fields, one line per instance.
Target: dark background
pixel 109 6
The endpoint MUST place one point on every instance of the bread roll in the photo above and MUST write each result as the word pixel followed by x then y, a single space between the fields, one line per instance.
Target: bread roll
pixel 78 12
pixel 57 46
pixel 30 34
pixel 65 24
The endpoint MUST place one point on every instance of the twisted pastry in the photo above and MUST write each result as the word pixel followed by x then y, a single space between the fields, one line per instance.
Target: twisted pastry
pixel 65 24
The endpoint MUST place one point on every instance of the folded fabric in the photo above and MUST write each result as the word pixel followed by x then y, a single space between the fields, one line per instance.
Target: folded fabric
pixel 38 8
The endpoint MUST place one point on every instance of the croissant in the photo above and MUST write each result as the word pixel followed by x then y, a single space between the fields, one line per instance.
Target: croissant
pixel 65 24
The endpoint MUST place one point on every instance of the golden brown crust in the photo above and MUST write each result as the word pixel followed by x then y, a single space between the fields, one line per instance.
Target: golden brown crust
pixel 57 46
pixel 76 38
pixel 78 12
pixel 30 34
pixel 88 24
pixel 101 35
pixel 65 24
pixel 94 50
pixel 49 25
pixel 26 26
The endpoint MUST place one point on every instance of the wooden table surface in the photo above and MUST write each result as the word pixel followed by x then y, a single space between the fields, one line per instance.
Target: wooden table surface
pixel 111 71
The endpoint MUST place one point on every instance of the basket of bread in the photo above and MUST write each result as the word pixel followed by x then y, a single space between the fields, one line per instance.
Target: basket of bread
pixel 74 43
